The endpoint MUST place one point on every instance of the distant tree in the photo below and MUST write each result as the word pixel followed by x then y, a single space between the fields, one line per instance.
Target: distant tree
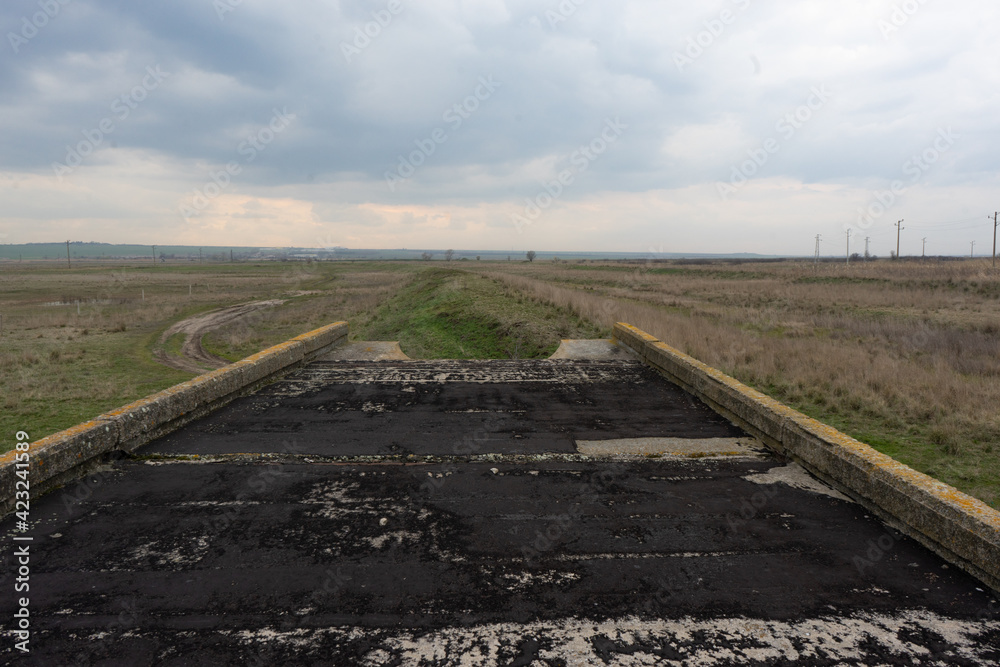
pixel 426 256
pixel 855 256
pixel 530 255
pixel 448 254
pixel 477 258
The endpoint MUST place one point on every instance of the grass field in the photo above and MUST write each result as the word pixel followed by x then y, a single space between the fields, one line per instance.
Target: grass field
pixel 77 342
pixel 902 355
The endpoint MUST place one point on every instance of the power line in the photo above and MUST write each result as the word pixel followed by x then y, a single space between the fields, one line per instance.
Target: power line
pixel 939 226
pixel 945 229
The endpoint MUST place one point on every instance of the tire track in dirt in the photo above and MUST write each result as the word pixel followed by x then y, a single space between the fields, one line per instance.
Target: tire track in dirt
pixel 195 358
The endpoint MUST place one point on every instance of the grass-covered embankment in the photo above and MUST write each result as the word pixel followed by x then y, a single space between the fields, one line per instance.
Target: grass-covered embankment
pixel 453 314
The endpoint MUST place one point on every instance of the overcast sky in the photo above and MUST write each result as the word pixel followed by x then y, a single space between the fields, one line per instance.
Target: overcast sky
pixel 727 126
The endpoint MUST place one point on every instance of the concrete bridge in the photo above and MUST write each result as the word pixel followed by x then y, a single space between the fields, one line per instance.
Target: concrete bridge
pixel 599 507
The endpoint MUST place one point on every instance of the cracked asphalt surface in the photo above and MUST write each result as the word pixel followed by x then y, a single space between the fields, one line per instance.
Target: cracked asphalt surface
pixel 441 513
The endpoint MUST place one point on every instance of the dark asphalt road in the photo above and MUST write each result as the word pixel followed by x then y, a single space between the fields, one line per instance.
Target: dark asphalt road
pixel 438 513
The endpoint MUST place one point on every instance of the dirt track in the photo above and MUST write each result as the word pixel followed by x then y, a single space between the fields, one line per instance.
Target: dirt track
pixel 194 358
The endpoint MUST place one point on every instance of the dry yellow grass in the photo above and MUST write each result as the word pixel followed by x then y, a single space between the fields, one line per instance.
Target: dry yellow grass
pixel 904 356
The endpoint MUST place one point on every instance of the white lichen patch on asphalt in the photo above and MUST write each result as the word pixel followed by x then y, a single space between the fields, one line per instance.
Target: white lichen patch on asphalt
pixel 172 555
pixel 869 639
pixel 399 537
pixel 525 580
pixel 797 477
pixel 364 524
pixel 335 499
pixel 318 375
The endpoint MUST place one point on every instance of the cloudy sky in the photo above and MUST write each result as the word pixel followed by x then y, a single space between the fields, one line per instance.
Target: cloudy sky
pixel 660 126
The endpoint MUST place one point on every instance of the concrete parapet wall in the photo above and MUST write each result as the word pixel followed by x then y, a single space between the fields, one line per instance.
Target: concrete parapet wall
pixel 317 341
pixel 55 458
pixel 962 529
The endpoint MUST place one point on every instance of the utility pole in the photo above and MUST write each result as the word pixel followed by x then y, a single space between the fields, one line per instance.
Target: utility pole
pixel 849 246
pixel 68 264
pixel 154 255
pixel 231 260
pixel 994 240
pixel 199 255
pixel 923 253
pixel 899 228
pixel 972 252
pixel 816 258
pixel 867 240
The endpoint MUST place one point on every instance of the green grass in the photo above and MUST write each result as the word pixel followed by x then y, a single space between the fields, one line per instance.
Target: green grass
pixel 452 314
pixel 172 346
pixel 957 458
pixel 77 377
pixel 60 367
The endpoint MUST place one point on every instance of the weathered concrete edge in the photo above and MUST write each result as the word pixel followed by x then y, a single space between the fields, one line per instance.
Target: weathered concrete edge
pixel 61 456
pixel 960 528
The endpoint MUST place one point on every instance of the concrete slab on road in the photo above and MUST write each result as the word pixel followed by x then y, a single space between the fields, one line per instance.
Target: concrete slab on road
pixel 442 513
